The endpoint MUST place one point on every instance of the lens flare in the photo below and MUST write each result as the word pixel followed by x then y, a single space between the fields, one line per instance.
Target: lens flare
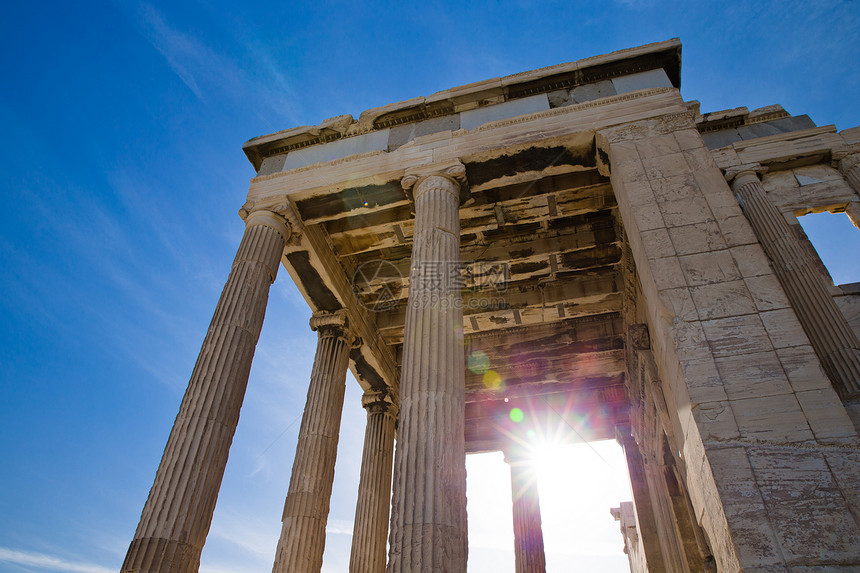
pixel 478 362
pixel 492 379
pixel 517 415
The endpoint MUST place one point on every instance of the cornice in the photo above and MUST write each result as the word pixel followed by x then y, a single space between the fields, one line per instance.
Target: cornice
pixel 662 55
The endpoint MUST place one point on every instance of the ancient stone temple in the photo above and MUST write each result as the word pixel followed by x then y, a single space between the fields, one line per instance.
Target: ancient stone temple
pixel 573 243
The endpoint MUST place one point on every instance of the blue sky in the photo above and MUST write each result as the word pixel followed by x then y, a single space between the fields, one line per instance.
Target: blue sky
pixel 121 172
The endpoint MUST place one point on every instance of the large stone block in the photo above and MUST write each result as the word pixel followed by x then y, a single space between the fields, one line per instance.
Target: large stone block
pixel 679 302
pixel 783 328
pixel 667 273
pixel 666 166
pixel 709 268
pixel 373 141
pixel 641 81
pixel 675 188
pixel 402 134
pixel 724 138
pixel 826 416
pixel 776 418
pixel 751 261
pixel 803 368
pixel 766 292
pixel 697 238
pixel 806 507
pixel 753 375
pixel 722 300
pixel 477 117
pixel 591 92
pixel 736 230
pixel 736 335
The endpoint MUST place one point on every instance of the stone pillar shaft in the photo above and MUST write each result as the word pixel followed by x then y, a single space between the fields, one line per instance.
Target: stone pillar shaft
pixel 528 535
pixel 428 521
pixel 302 542
pixel 178 511
pixel 370 530
pixel 829 333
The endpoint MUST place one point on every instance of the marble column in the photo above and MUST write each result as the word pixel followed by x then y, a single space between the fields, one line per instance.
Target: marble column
pixel 178 511
pixel 300 548
pixel 370 529
pixel 849 166
pixel 428 511
pixel 829 333
pixel 528 536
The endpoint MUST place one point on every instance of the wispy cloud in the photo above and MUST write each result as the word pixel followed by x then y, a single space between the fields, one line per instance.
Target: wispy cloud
pixel 48 562
pixel 186 56
pixel 209 73
pixel 338 527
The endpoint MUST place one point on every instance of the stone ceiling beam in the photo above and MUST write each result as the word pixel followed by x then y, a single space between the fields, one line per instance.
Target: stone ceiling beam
pixel 323 283
pixel 594 287
pixel 394 227
pixel 499 274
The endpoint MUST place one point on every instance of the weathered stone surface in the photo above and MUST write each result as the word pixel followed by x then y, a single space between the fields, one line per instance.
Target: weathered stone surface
pixel 479 116
pixel 402 134
pixel 590 92
pixel 641 81
pixel 723 138
pixel 373 141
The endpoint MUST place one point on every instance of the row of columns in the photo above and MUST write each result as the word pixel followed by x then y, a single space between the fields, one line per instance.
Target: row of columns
pixel 428 503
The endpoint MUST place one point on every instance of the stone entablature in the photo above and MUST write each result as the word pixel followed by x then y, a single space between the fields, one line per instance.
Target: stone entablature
pixel 653 65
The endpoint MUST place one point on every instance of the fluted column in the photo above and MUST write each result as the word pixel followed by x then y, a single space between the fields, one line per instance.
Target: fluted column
pixel 528 535
pixel 370 529
pixel 428 512
pixel 178 511
pixel 849 166
pixel 300 548
pixel 829 333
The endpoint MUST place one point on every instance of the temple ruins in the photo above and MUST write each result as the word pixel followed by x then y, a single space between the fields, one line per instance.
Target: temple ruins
pixel 575 242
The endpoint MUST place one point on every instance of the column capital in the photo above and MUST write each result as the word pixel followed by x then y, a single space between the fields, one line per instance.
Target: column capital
pixel 454 172
pixel 282 210
pixel 743 174
pixel 333 322
pixel 269 219
pixel 379 402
